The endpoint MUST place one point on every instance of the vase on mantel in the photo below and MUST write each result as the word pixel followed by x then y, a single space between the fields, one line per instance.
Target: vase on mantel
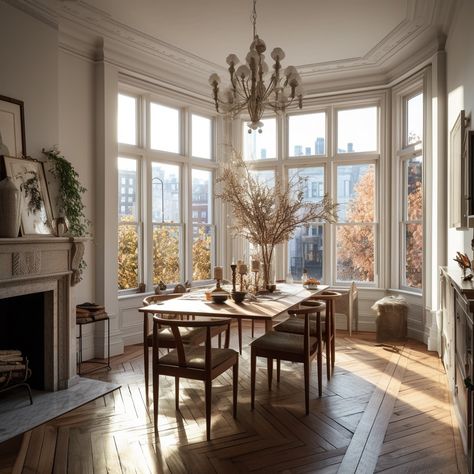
pixel 10 201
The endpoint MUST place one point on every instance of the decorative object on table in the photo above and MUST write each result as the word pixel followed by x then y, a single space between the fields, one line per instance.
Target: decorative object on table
pixel 12 127
pixel 248 90
pixel 465 263
pixel 219 295
pixel 237 296
pixel 28 176
pixel 242 271
pixel 10 211
pixel 69 193
pixel 311 283
pixel 267 216
pixel 304 277
pixel 233 267
pixel 255 266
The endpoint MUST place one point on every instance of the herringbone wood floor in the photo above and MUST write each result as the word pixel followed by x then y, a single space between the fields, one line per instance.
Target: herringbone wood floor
pixel 385 410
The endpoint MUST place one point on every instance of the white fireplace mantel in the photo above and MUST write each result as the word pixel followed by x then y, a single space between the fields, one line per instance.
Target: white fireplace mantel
pixel 51 265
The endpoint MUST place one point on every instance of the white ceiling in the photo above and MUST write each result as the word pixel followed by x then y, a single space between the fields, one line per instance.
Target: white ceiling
pixel 309 31
pixel 333 43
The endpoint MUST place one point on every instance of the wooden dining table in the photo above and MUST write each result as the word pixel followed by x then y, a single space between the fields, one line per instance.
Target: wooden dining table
pixel 264 308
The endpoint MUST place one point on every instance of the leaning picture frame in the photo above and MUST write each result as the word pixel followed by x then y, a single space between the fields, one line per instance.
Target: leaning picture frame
pixel 29 177
pixel 12 127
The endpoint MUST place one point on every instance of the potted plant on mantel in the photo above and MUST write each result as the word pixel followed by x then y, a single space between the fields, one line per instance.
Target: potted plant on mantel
pixel 267 216
pixel 68 201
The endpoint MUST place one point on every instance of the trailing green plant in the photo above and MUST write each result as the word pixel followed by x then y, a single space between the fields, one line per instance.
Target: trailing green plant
pixel 70 191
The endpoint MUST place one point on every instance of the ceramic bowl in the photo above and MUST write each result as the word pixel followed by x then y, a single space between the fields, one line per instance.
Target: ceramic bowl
pixel 238 296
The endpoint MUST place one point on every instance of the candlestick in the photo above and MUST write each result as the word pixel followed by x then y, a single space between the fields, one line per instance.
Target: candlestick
pixel 256 281
pixel 242 269
pixel 233 268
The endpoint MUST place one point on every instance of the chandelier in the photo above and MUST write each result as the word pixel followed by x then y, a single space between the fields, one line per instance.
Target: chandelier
pixel 248 89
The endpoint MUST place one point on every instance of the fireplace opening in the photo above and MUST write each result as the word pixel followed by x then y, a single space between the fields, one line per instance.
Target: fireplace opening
pixel 22 327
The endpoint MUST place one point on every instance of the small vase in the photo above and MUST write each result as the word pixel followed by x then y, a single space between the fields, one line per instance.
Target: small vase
pixel 10 201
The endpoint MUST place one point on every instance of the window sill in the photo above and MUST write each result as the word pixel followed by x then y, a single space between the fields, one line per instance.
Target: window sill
pixel 405 292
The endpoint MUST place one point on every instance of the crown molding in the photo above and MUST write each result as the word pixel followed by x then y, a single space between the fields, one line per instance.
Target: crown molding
pixel 38 9
pixel 93 34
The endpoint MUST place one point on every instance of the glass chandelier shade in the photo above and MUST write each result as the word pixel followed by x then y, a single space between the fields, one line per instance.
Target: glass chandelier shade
pixel 248 88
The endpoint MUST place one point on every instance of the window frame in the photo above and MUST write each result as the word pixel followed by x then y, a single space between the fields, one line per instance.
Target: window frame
pixel 186 163
pixel 402 152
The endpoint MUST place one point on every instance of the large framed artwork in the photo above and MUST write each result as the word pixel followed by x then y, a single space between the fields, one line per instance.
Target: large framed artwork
pixel 12 127
pixel 28 175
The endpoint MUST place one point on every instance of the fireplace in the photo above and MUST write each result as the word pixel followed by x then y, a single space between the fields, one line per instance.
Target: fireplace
pixel 37 308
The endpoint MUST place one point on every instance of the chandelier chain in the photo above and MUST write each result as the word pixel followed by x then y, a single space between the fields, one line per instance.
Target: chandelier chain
pixel 254 18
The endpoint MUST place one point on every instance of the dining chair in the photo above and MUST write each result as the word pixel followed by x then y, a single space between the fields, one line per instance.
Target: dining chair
pixel 348 305
pixel 295 325
pixel 193 362
pixel 291 347
pixel 329 297
pixel 192 336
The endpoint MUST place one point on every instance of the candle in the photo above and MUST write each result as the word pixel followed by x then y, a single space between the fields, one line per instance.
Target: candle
pixel 242 269
pixel 255 265
pixel 218 273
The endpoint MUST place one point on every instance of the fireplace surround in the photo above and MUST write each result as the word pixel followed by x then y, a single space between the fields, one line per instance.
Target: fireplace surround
pixel 47 265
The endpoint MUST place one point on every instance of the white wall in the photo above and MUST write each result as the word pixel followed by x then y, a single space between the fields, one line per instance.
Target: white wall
pixel 29 72
pixel 77 142
pixel 460 85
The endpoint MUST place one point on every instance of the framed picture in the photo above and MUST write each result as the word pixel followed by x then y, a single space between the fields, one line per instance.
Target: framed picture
pixel 28 175
pixel 12 127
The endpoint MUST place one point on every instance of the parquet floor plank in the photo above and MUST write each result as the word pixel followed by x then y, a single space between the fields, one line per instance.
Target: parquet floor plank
pixel 386 409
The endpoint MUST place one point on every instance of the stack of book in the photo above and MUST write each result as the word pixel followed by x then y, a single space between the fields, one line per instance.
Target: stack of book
pixel 88 312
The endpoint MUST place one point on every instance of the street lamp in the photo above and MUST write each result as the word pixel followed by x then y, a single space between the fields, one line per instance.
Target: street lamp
pixel 162 197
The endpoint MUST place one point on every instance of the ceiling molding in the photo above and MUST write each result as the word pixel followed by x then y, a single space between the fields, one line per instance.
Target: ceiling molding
pixel 85 29
pixel 37 9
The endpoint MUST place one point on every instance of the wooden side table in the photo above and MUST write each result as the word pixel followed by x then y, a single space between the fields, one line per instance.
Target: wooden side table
pixel 92 320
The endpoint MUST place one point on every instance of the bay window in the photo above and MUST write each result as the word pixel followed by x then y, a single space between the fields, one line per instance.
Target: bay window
pixel 160 151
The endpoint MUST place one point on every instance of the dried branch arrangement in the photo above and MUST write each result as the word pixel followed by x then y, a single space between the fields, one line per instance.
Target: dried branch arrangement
pixel 267 216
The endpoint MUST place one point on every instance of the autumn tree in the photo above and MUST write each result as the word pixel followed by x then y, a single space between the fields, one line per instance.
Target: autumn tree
pixel 166 254
pixel 414 238
pixel 202 255
pixel 355 243
pixel 127 254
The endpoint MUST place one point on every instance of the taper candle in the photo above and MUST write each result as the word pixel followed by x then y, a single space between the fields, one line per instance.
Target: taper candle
pixel 218 273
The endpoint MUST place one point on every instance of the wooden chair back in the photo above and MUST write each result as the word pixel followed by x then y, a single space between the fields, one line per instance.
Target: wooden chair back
pixel 306 312
pixel 175 324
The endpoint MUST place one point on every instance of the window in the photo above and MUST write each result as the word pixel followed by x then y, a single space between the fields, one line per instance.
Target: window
pixel 411 192
pixel 412 225
pixel 357 130
pixel 336 148
pixel 305 249
pixel 128 229
pixel 164 128
pixel 203 230
pixel 260 146
pixel 355 230
pixel 176 222
pixel 127 120
pixel 167 225
pixel 307 134
pixel 201 136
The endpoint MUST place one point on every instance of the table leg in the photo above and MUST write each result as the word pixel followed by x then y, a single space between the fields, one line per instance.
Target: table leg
pixel 145 353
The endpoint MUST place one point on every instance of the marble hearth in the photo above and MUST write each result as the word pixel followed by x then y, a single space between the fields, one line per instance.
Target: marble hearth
pixel 47 265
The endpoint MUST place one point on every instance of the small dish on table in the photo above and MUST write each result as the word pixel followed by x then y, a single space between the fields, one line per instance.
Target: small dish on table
pixel 311 284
